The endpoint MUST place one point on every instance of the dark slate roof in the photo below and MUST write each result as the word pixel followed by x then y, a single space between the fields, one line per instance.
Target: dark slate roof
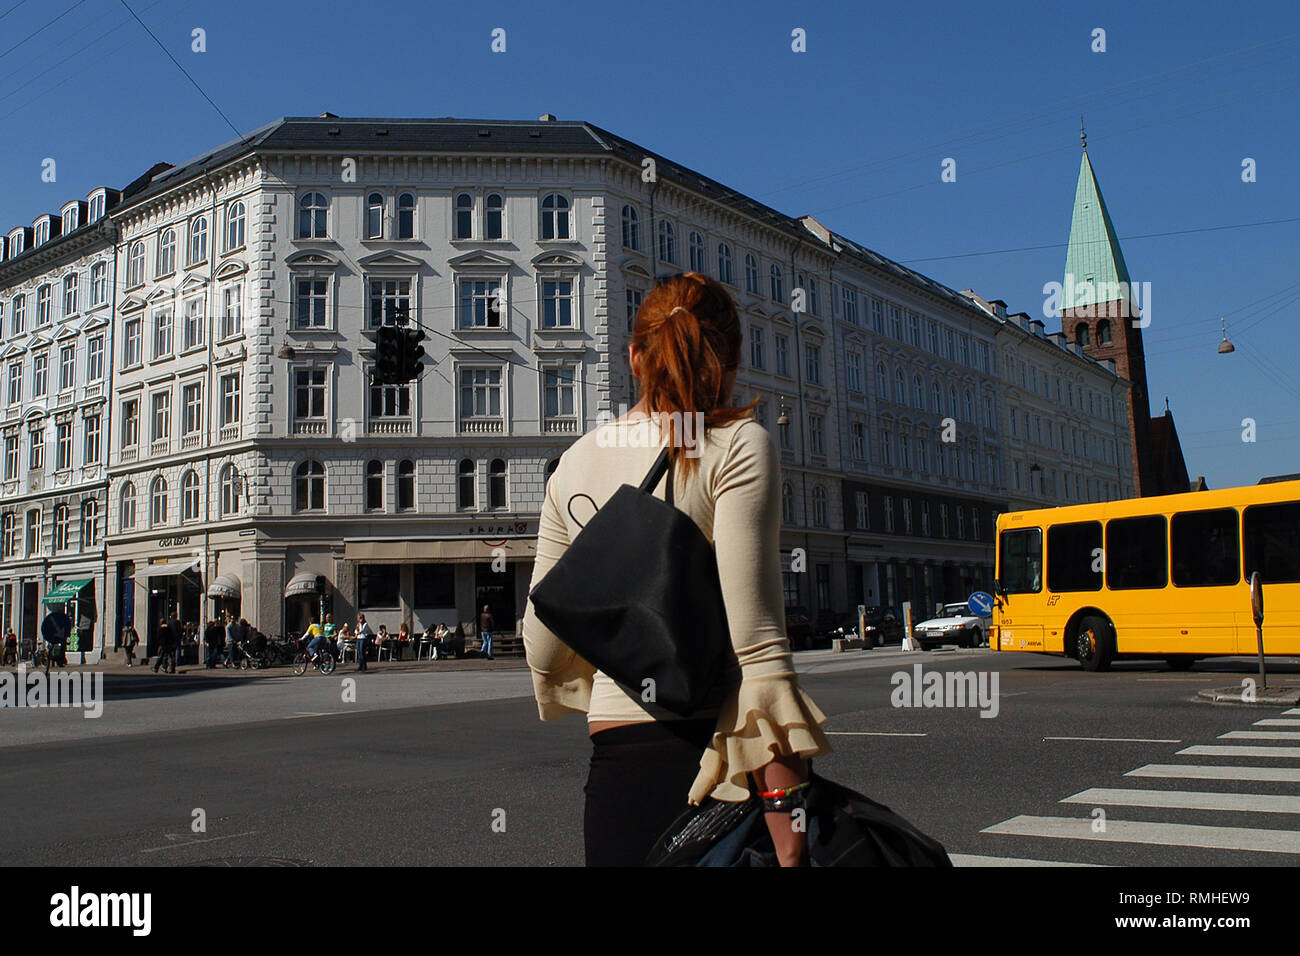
pixel 1167 456
pixel 557 137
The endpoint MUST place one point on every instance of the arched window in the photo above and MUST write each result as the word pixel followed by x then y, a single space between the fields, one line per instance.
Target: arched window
pixel 89 524
pixel 60 527
pixel 555 217
pixel 230 488
pixel 190 496
pixel 918 393
pixel 777 283
pixel 551 466
pixel 374 485
pixel 936 399
pixel 819 506
pixel 198 240
pixel 405 485
pixel 497 483
pixel 166 252
pixel 496 216
pixel 1103 332
pixel 724 264
pixel 158 502
pixel 787 503
pixel 312 208
pixel 375 217
pixel 309 486
pixel 696 243
pixel 751 274
pixel 135 265
pixel 631 228
pixel 1081 334
pixel 406 216
pixel 667 242
pixel 464 216
pixel 465 496
pixel 882 383
pixel 235 215
pixel 126 513
pixel 900 390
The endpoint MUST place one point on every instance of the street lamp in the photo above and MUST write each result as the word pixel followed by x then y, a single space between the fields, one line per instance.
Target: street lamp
pixel 1225 346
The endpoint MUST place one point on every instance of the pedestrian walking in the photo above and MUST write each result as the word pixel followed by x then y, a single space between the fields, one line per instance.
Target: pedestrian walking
pixel 650 764
pixel 130 638
pixel 164 645
pixel 363 635
pixel 10 647
pixel 232 641
pixel 485 628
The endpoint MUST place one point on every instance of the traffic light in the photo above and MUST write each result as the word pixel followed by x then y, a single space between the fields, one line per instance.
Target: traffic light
pixel 410 353
pixel 387 354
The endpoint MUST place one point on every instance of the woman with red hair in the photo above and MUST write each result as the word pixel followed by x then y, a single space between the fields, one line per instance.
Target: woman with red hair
pixel 648 764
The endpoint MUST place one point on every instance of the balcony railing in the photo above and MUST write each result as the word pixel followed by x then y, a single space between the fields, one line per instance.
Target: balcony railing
pixel 560 426
pixel 390 426
pixel 229 432
pixel 484 425
pixel 159 447
pixel 130 454
pixel 192 440
pixel 310 427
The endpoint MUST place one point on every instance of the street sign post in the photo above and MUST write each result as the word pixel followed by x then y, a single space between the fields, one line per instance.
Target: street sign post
pixel 1257 609
pixel 980 604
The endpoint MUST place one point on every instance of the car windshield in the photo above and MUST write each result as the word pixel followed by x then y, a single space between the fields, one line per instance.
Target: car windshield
pixel 956 610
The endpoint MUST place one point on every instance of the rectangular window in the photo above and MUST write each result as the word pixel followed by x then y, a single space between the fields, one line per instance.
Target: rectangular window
pixel 813 354
pixel 889 513
pixel 756 357
pixel 193 324
pixel 90 444
pixel 925 518
pixel 161 417
pixel 1020 561
pixel 390 401
pixel 907 516
pixel 309 393
pixel 858 438
pixel 862 505
pixel 480 304
pixel 1205 548
pixel 853 371
pixel 634 298
pixel 1272 548
pixel 232 310
pixel 435 585
pixel 95 359
pixel 67 368
pixel 36 448
pixel 1135 553
pixel 11 456
pixel 896 322
pixel 949 340
pixel 191 408
pixel 230 400
pixel 557 392
pixel 377 586
pixel 389 299
pixel 823 586
pixel 131 343
pixel 850 298
pixel 98 283
pixel 1074 557
pixel 40 374
pixel 782 355
pixel 62 446
pixel 932 335
pixel 162 333
pixel 914 329
pixel 130 423
pixel 557 304
pixel 309 303
pixel 817 434
pixel 480 392
pixel 15 383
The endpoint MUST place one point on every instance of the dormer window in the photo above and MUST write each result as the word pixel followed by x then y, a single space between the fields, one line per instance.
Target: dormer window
pixel 70 218
pixel 16 240
pixel 42 233
pixel 96 208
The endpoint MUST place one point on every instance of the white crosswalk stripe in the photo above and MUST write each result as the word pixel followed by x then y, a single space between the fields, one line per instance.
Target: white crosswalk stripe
pixel 1264 815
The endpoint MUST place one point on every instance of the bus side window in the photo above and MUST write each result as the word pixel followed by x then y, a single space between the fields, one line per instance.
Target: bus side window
pixel 1074 556
pixel 1020 565
pixel 1135 553
pixel 1273 542
pixel 1205 548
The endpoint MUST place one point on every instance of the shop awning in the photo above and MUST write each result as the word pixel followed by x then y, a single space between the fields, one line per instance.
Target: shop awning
pixel 304 582
pixel 225 586
pixel 165 570
pixel 65 591
pixel 454 551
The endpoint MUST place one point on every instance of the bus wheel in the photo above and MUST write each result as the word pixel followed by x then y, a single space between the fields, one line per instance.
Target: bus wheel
pixel 1094 645
pixel 1180 662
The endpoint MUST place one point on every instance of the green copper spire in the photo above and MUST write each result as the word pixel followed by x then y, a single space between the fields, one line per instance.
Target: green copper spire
pixel 1094 264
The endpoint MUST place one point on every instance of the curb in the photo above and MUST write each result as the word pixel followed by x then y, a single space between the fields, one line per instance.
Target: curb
pixel 1286 696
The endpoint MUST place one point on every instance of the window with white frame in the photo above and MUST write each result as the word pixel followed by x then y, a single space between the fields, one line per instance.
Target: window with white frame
pixel 11 455
pixel 918 392
pixel 725 271
pixel 480 304
pixel 8 535
pixel 90 444
pixel 858 440
pixel 131 343
pixel 813 357
pixel 160 416
pixel 695 242
pixel 130 423
pixel 70 294
pixel 96 208
pixel 67 368
pixel 756 357
pixel 236 217
pixel 853 370
pixel 882 383
pixel 190 496
pixel 782 346
pixel 558 392
pixel 60 527
pixel 817 434
pixel 126 508
pixel 70 219
pixel 40 374
pixel 98 283
pixel 375 217
pixel 557 303
pixel 390 401
pixel 62 445
pixel 33 531
pixel 480 393
pixel 194 321
pixel 309 486
pixel 777 284
pixel 229 488
pixel 20 314
pixel 667 242
pixel 166 264
pixel 849 302
pixel 497 483
pixel 556 223
pixel 232 310
pixel 466 484
pixel 388 299
pixel 191 408
pixel 310 297
pixel 819 506
pixel 313 208
pixel 374 485
pixel 494 217
pixel 914 329
pixel 95 358
pixel 158 502
pixel 464 218
pixel 634 299
pixel 787 503
pixel 162 332
pixel 43 298
pixel 862 505
pixel 15 394
pixel 231 399
pixel 752 282
pixel 631 228
pixel 309 386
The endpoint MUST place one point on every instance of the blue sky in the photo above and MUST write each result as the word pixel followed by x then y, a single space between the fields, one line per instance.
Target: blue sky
pixel 853 131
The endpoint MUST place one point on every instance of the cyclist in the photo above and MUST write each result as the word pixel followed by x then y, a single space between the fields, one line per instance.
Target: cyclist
pixel 317 635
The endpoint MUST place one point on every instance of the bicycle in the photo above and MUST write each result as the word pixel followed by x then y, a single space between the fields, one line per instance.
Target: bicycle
pixel 324 661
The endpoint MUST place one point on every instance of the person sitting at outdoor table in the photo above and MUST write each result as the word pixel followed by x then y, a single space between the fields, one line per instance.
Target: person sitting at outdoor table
pixel 440 635
pixel 403 640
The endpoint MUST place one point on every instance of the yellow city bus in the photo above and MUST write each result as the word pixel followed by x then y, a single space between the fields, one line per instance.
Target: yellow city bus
pixel 1163 577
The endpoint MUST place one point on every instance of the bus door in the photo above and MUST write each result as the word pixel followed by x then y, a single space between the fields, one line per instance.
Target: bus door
pixel 1271 546
pixel 1020 608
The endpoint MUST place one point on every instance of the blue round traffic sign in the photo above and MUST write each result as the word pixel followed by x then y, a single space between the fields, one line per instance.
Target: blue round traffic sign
pixel 981 604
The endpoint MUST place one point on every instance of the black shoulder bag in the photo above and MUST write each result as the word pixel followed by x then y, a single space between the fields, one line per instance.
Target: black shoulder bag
pixel 637 595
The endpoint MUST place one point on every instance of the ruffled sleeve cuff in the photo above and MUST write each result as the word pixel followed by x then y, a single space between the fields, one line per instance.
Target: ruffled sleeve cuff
pixel 554 699
pixel 764 718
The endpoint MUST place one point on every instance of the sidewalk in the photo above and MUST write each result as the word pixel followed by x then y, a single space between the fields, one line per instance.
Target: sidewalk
pixel 115 663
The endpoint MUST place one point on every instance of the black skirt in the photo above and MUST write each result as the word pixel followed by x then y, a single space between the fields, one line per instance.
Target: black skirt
pixel 639 779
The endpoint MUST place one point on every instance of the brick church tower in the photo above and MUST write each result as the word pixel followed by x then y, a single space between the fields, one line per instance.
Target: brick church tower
pixel 1101 309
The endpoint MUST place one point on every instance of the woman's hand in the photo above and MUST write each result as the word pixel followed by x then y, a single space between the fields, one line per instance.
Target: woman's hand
pixel 791 844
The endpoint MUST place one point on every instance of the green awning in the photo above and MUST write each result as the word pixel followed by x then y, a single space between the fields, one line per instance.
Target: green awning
pixel 66 591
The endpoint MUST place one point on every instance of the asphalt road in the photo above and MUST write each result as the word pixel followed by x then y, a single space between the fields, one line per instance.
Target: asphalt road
pixel 436 767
